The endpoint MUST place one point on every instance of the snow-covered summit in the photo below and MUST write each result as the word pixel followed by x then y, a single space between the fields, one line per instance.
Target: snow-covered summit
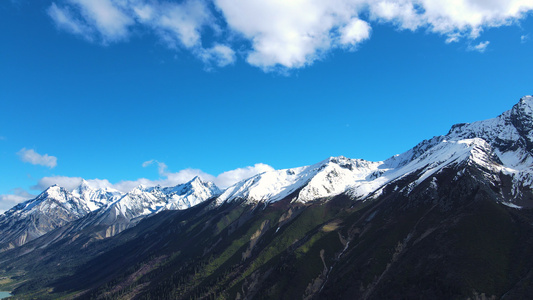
pixel 57 206
pixel 326 178
pixel 53 208
pixel 190 194
pixel 511 133
pixel 51 198
pixel 95 198
pixel 144 201
pixel 502 144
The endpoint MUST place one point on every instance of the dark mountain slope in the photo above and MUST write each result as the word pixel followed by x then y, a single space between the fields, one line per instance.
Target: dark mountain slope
pixel 446 238
pixel 451 242
pixel 448 219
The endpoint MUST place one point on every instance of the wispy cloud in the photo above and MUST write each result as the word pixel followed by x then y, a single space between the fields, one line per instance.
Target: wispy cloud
pixel 524 38
pixel 92 19
pixel 65 20
pixel 218 55
pixel 34 158
pixel 273 34
pixel 178 25
pixel 481 47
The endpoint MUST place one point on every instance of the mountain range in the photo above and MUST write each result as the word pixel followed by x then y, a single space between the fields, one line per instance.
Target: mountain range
pixel 450 218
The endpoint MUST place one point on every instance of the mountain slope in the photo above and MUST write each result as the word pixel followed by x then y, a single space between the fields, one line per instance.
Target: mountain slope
pixel 141 202
pixel 327 178
pixel 450 218
pixel 53 208
pixel 444 238
pixel 106 209
pixel 506 141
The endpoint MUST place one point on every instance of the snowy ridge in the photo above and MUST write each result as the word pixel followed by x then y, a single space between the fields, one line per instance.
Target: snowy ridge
pixel 442 155
pixel 52 198
pixel 144 201
pixel 503 144
pixel 327 178
pixel 189 194
pixel 57 206
pixel 511 134
pixel 53 208
pixel 95 198
pixel 359 178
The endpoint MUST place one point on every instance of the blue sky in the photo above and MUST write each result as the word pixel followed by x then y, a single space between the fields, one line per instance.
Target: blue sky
pixel 153 92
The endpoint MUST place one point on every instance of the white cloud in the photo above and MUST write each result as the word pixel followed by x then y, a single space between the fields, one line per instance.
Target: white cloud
pixel 162 167
pixel 220 55
pixel 222 180
pixel 229 178
pixel 104 20
pixel 69 183
pixel 180 24
pixel 143 12
pixel 177 24
pixel 401 13
pixel 294 34
pixel 148 163
pixel 32 157
pixel 278 33
pixel 19 195
pixel 291 34
pixel 355 32
pixel 471 16
pixel 64 20
pixel 106 17
pixel 524 38
pixel 481 47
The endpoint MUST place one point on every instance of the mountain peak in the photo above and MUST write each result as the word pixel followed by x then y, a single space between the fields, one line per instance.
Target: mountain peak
pixel 526 99
pixel 139 188
pixel 522 115
pixel 196 179
pixel 524 106
pixel 53 190
pixel 336 159
pixel 84 186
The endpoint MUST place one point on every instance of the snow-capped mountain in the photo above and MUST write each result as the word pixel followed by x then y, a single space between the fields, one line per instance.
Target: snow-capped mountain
pixel 511 134
pixel 327 178
pixel 430 219
pixel 502 145
pixel 142 201
pixel 359 178
pixel 96 198
pixel 53 208
pixel 500 148
pixel 187 195
pixel 57 206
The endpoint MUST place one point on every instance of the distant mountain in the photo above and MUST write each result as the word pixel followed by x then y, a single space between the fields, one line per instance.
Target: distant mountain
pixel 53 208
pixel 111 209
pixel 452 218
pixel 142 201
